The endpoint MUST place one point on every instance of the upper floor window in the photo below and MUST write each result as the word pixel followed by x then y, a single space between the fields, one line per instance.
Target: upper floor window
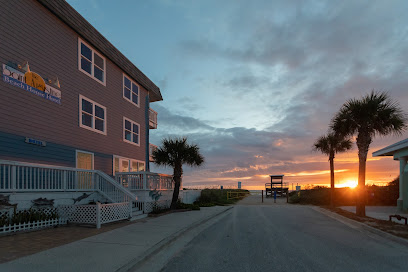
pixel 92 115
pixel 130 90
pixel 91 62
pixel 131 131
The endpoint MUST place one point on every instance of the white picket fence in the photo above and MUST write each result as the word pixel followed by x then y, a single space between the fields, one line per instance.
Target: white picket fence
pixel 31 225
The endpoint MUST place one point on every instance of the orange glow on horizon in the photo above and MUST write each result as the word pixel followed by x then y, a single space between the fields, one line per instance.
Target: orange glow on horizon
pixel 348 183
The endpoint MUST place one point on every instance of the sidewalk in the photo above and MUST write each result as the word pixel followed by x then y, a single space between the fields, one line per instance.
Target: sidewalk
pixel 379 212
pixel 116 249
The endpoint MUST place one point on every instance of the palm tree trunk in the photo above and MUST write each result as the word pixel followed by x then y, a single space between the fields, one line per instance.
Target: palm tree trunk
pixel 177 172
pixel 331 159
pixel 363 143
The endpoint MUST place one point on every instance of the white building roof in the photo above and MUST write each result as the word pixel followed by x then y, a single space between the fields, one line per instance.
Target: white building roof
pixel 391 149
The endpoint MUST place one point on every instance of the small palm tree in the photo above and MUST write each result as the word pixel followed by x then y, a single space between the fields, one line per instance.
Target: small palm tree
pixel 174 153
pixel 374 114
pixel 330 145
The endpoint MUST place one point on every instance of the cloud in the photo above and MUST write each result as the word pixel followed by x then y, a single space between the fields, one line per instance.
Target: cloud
pixel 276 72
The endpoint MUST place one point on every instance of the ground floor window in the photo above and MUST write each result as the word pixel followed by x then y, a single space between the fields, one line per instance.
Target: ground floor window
pixel 84 160
pixel 122 164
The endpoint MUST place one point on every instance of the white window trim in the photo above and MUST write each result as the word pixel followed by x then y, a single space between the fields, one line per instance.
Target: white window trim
pixel 123 91
pixel 93 116
pixel 124 158
pixel 86 152
pixel 92 70
pixel 132 122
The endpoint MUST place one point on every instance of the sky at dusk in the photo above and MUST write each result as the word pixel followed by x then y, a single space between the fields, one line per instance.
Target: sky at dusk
pixel 254 83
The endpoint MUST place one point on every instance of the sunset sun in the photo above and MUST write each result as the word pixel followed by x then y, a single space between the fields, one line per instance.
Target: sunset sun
pixel 348 183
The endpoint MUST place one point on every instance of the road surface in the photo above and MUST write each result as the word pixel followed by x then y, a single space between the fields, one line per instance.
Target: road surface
pixel 286 238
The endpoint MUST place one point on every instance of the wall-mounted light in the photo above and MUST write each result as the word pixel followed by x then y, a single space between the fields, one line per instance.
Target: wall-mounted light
pixel 56 83
pixel 25 66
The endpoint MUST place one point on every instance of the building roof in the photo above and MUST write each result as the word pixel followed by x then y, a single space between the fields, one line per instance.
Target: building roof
pixel 391 149
pixel 79 24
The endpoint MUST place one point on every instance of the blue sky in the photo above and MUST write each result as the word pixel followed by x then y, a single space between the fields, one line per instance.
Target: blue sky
pixel 254 83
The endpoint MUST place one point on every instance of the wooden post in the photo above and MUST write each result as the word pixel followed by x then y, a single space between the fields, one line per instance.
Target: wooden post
pixel 130 208
pixel 262 195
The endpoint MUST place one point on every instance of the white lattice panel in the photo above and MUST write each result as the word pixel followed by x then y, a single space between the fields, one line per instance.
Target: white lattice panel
pixel 114 212
pixel 81 214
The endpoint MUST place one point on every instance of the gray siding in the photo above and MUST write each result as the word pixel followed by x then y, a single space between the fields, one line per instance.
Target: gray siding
pixel 29 32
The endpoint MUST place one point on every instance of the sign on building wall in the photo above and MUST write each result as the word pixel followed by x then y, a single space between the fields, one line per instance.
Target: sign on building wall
pixel 31 82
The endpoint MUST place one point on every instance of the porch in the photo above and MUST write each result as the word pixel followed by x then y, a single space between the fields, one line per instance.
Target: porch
pixel 25 186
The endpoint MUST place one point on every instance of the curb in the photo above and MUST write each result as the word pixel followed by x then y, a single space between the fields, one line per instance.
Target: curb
pixel 358 225
pixel 166 241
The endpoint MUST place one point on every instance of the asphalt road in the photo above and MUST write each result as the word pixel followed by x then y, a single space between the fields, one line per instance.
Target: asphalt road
pixel 286 238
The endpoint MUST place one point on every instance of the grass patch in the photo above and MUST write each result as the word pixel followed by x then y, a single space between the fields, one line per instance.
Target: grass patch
pixel 213 197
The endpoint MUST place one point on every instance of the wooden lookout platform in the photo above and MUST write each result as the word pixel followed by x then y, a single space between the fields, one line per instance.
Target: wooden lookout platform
pixel 277 185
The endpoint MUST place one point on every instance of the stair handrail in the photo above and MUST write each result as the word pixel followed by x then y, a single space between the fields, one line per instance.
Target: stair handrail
pixel 115 184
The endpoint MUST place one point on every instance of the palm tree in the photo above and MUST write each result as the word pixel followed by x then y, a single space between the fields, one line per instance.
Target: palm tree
pixel 331 144
pixel 374 114
pixel 174 153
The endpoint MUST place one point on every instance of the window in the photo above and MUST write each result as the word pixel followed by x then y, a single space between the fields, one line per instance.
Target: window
pixel 84 160
pixel 92 115
pixel 121 164
pixel 130 90
pixel 90 62
pixel 131 131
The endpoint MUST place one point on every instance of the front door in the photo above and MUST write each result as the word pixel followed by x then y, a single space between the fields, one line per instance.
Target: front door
pixel 84 160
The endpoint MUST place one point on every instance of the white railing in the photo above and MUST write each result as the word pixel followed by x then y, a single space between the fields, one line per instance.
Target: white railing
pixel 145 180
pixel 27 177
pixel 152 119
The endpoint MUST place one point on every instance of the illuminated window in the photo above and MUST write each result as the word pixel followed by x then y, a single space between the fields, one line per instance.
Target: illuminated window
pixel 131 131
pixel 130 90
pixel 92 115
pixel 121 164
pixel 91 62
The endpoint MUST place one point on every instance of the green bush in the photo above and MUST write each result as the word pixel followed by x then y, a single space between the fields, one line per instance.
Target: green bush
pixel 27 216
pixel 375 195
pixel 212 197
pixel 181 205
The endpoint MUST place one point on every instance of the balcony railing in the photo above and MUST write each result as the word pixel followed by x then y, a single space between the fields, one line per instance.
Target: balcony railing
pixel 152 147
pixel 152 119
pixel 145 181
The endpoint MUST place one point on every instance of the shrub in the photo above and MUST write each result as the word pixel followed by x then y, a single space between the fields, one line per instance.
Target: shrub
pixel 181 205
pixel 212 197
pixel 375 195
pixel 27 216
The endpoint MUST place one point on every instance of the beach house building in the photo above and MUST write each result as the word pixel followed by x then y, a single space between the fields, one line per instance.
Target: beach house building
pixel 74 111
pixel 399 152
